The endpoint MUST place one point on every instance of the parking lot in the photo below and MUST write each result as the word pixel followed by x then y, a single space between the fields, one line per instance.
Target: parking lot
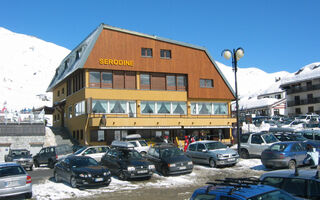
pixel 158 187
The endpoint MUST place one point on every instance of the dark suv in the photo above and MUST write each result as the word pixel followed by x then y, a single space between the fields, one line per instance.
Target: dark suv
pixel 50 155
pixel 169 159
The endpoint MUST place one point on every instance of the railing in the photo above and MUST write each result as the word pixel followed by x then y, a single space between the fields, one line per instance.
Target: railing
pixel 22 117
pixel 303 102
pixel 303 89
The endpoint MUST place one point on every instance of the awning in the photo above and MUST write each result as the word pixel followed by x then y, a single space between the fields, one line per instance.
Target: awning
pixel 161 127
pixel 205 127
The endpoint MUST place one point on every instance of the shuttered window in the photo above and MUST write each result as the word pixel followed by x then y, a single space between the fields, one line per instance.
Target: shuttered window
pixel 118 79
pixel 158 81
pixel 130 80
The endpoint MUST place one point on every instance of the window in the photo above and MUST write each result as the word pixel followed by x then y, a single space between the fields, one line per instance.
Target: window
pixel 165 53
pixel 171 82
pixel 114 107
pixel 310 109
pixel 106 81
pixel 62 91
pixel 201 147
pixel 298 111
pixel 70 112
pixel 256 139
pixel 220 108
pixel 145 81
pixel 79 108
pixel 94 79
pixel 192 147
pixel 206 83
pixel 58 93
pixel 208 108
pixel 146 52
pixel 181 82
pixel 163 107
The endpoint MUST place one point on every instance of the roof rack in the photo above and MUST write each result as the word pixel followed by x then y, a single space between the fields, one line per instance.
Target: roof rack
pixel 235 183
pixel 122 144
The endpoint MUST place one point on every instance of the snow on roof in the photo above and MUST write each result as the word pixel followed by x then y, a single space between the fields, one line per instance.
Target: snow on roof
pixel 249 103
pixel 308 72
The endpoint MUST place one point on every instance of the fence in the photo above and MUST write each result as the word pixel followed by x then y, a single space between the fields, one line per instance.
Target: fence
pixel 22 117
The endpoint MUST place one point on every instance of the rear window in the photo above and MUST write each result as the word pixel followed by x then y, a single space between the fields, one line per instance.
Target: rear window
pixel 11 170
pixel 269 138
pixel 143 143
pixel 244 138
pixel 278 147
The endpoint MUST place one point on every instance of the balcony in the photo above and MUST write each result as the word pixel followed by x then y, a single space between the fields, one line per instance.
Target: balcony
pixel 303 102
pixel 303 89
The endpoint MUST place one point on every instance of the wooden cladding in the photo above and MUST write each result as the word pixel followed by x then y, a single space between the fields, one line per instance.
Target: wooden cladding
pixel 75 82
pixel 112 79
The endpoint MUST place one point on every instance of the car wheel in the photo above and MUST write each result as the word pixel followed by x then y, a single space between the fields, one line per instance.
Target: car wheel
pixel 212 163
pixel 244 154
pixel 73 182
pixel 164 171
pixel 28 195
pixel 50 164
pixel 56 177
pixel 36 163
pixel 122 176
pixel 292 164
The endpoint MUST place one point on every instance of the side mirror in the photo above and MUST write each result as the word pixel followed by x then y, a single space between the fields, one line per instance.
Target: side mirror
pixel 204 151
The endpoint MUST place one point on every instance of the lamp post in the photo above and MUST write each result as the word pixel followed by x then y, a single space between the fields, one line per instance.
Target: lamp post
pixel 236 55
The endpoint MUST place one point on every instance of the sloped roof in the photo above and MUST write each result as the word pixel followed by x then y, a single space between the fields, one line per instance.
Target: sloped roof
pixel 86 46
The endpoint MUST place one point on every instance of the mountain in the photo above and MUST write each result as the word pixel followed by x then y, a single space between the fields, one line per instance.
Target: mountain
pixel 28 64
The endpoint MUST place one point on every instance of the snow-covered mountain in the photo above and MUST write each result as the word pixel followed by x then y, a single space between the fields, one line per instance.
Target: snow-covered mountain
pixel 28 64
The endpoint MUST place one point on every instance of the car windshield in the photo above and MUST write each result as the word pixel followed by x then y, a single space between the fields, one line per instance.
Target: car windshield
pixel 170 152
pixel 11 170
pixel 215 145
pixel 80 150
pixel 269 138
pixel 20 153
pixel 83 162
pixel 130 155
pixel 278 147
pixel 143 143
pixel 277 194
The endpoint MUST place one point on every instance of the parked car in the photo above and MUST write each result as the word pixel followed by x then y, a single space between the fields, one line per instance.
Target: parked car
pixel 288 154
pixel 302 183
pixel 236 189
pixel 289 137
pixel 295 124
pixel 139 144
pixel 81 171
pixel 310 134
pixel 169 159
pixel 50 155
pixel 252 144
pixel 95 152
pixel 308 118
pixel 126 163
pixel 14 180
pixel 21 156
pixel 213 153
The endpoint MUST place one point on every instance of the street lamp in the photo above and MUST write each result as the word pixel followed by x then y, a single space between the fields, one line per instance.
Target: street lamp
pixel 236 55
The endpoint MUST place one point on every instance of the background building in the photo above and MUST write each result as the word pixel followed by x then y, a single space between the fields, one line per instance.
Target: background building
pixel 119 82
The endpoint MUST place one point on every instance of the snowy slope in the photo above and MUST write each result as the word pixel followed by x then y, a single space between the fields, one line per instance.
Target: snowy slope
pixel 27 66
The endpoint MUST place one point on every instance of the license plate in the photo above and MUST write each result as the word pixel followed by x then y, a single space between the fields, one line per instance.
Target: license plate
pixel 98 179
pixel 183 167
pixel 231 159
pixel 142 171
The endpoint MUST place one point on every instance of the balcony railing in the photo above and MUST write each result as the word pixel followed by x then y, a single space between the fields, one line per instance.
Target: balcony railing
pixel 303 89
pixel 303 102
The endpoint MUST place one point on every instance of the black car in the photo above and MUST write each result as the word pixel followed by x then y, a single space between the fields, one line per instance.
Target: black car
pixel 169 159
pixel 81 171
pixel 50 155
pixel 127 163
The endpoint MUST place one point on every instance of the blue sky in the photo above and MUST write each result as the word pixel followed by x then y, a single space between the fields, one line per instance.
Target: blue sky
pixel 277 35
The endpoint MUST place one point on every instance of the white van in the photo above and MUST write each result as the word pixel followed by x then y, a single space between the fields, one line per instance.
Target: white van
pixel 139 144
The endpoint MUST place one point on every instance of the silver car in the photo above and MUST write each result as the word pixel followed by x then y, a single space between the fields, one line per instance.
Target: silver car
pixel 213 153
pixel 14 180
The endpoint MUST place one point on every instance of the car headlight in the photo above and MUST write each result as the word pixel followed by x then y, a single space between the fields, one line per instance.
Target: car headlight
pixel 190 163
pixel 83 175
pixel 172 165
pixel 89 175
pixel 219 155
pixel 131 168
pixel 151 167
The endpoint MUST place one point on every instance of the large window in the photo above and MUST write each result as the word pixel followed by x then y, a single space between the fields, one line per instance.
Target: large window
pixel 146 52
pixel 145 81
pixel 112 79
pixel 106 81
pixel 164 53
pixel 79 108
pixel 206 83
pixel 207 108
pixel 171 82
pixel 163 108
pixel 94 79
pixel 114 107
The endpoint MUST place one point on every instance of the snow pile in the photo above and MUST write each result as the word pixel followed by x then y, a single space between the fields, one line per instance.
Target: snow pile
pixel 247 128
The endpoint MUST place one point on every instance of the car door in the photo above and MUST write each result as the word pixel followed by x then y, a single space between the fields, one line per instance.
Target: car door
pixel 42 155
pixel 107 160
pixel 154 157
pixel 201 155
pixel 257 144
pixel 60 169
pixel 299 153
pixel 191 152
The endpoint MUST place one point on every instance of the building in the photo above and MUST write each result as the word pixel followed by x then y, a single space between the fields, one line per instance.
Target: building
pixel 119 82
pixel 303 90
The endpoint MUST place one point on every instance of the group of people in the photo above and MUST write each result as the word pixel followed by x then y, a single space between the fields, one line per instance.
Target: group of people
pixel 188 140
